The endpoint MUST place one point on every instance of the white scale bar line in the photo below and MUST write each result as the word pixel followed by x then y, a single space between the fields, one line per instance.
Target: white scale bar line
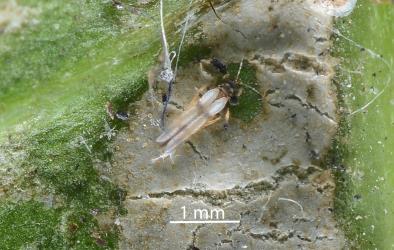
pixel 203 221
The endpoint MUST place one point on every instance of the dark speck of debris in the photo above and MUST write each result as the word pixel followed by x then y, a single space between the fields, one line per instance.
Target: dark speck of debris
pixel 121 115
pixel 320 39
pixel 314 155
pixel 374 74
pixel 164 98
pixel 357 197
pixel 308 137
pixel 100 242
pixel 362 49
pixel 219 65
pixel 72 227
pixel 117 4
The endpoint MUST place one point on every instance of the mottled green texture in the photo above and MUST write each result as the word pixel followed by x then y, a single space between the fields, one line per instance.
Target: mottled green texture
pixel 83 232
pixel 71 46
pixel 250 102
pixel 193 53
pixel 56 77
pixel 365 149
pixel 32 224
pixel 29 223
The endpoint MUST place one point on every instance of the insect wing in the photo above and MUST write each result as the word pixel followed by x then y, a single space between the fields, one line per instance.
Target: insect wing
pixel 188 116
pixel 178 124
pixel 209 97
pixel 217 106
pixel 185 133
pixel 196 124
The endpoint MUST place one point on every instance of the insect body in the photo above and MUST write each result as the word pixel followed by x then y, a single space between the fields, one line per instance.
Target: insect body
pixel 191 120
pixel 202 112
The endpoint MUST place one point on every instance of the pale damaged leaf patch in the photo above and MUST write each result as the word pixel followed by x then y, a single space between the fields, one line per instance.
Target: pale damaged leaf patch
pixel 13 16
pixel 337 8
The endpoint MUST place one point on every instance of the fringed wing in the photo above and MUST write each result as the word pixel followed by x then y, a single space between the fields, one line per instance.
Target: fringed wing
pixel 188 116
pixel 195 124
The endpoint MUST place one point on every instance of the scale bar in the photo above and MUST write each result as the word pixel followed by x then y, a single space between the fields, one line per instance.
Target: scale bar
pixel 204 221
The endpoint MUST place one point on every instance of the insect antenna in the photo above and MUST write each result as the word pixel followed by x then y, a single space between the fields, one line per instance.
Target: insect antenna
pixel 244 84
pixel 239 69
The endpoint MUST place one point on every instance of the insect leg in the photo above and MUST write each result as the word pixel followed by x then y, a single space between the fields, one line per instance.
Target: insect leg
pixel 226 117
pixel 210 122
pixel 165 155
